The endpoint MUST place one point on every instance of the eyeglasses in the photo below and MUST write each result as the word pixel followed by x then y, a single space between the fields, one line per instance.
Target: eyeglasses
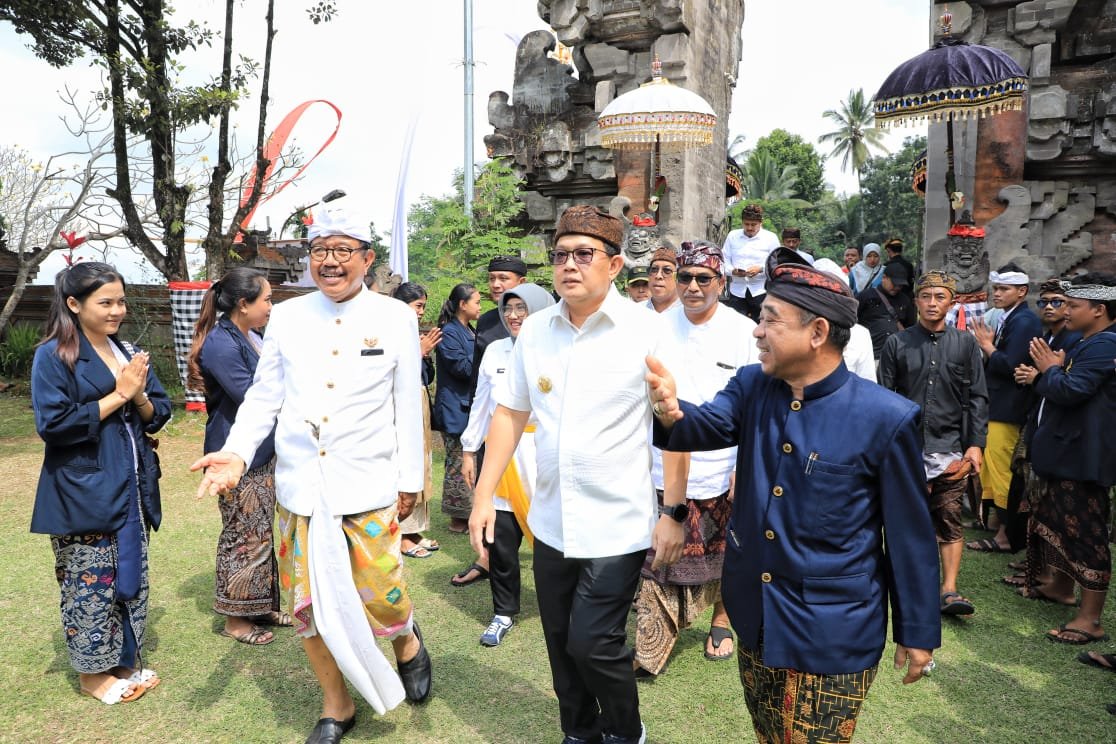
pixel 1051 303
pixel 341 253
pixel 661 271
pixel 515 311
pixel 583 256
pixel 703 280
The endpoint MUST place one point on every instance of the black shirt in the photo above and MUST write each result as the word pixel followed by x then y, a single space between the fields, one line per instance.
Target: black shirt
pixel 881 313
pixel 944 374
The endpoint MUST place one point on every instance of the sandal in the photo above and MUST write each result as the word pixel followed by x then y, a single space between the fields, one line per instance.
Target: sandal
pixel 145 678
pixel 1027 593
pixel 954 604
pixel 718 635
pixel 431 545
pixel 459 579
pixel 1083 638
pixel 120 691
pixel 1015 580
pixel 275 619
pixel 252 637
pixel 1100 661
pixel 986 545
pixel 417 552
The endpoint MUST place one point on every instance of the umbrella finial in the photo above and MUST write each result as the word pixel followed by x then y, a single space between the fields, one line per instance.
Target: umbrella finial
pixel 946 22
pixel 656 68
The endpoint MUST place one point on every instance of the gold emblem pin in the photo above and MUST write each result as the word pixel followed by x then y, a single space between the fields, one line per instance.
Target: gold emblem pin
pixel 545 385
pixel 371 343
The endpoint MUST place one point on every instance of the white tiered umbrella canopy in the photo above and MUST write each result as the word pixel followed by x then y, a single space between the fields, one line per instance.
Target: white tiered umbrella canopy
pixel 657 113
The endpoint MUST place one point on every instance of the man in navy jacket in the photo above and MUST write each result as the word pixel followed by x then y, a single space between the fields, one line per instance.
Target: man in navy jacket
pixel 807 576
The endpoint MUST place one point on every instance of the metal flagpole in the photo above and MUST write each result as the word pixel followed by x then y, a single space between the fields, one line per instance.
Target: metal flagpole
pixel 469 64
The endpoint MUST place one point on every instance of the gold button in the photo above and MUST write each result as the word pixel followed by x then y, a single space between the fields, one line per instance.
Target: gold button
pixel 329 385
pixel 796 405
pixel 769 535
pixel 765 577
pixel 337 321
pixel 325 419
pixel 787 447
pixel 777 491
pixel 336 352
pixel 321 453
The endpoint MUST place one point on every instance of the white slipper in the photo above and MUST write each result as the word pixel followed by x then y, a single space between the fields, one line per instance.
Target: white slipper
pixel 145 678
pixel 116 693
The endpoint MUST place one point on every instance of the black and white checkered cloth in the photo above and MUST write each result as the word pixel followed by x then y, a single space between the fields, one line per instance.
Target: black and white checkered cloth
pixel 186 301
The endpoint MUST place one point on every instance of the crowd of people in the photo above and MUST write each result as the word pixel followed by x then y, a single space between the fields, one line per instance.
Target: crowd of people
pixel 710 442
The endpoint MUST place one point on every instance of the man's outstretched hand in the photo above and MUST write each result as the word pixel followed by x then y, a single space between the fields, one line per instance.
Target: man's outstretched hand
pixel 663 392
pixel 222 472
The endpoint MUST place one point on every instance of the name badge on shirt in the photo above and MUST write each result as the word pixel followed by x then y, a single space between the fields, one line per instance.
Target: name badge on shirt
pixel 722 365
pixel 371 352
pixel 500 370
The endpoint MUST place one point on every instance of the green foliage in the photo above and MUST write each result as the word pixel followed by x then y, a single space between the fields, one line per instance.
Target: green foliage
pixel 765 180
pixel 446 248
pixel 891 207
pixel 787 149
pixel 17 350
pixel 856 132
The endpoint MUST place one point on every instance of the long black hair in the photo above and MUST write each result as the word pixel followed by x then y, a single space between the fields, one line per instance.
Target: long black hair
pixel 460 293
pixel 78 281
pixel 241 283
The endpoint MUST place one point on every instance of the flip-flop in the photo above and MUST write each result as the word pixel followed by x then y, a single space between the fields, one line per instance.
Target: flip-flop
pixel 1108 664
pixel 1036 594
pixel 116 693
pixel 1085 636
pixel 429 544
pixel 417 552
pixel 274 619
pixel 482 574
pixel 145 678
pixel 717 635
pixel 954 604
pixel 1015 580
pixel 986 545
pixel 252 637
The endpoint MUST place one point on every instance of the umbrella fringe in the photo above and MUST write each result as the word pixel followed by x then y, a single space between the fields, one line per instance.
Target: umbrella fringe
pixel 949 113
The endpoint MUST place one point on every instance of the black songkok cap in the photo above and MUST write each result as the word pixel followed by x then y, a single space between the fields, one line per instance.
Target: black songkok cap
pixel 513 264
pixel 792 279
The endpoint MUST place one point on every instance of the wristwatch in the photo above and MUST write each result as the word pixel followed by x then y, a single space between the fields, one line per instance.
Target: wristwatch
pixel 678 512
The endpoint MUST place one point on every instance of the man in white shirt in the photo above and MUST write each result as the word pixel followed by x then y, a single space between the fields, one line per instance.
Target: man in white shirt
pixel 664 288
pixel 579 368
pixel 746 253
pixel 338 379
pixel 712 343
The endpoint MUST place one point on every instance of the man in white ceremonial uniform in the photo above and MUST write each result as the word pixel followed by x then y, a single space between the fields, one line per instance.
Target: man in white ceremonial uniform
pixel 579 368
pixel 338 378
pixel 746 251
pixel 713 342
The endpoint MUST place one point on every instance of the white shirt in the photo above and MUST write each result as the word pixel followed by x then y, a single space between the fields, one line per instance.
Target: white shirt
pixel 492 376
pixel 352 369
pixel 858 354
pixel 708 356
pixel 586 387
pixel 741 252
pixel 650 305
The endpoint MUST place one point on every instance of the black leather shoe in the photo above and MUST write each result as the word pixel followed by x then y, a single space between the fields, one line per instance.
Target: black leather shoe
pixel 330 730
pixel 417 674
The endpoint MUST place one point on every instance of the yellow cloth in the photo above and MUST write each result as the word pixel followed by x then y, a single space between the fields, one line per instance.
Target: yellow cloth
pixel 510 488
pixel 995 475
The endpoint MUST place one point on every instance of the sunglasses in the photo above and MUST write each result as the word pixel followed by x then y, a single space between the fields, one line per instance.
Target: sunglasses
pixel 1051 303
pixel 703 280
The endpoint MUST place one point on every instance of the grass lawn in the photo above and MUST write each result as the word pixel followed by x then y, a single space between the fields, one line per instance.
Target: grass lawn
pixel 997 680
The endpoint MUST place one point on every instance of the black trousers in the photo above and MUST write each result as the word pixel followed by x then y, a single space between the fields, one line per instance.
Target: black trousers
pixel 748 305
pixel 584 605
pixel 503 564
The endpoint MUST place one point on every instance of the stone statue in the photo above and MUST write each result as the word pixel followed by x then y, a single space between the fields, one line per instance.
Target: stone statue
pixel 965 258
pixel 643 240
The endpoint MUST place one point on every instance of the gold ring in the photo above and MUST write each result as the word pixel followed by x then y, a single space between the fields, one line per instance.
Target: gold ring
pixel 657 409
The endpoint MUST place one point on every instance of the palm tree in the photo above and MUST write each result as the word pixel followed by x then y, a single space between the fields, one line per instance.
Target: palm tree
pixel 856 134
pixel 765 181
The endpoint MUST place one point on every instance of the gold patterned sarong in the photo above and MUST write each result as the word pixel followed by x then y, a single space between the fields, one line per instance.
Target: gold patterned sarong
pixel 377 566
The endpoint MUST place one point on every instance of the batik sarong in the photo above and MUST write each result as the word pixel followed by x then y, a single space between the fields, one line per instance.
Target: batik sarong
pixel 102 629
pixel 673 597
pixel 995 475
pixel 457 497
pixel 376 562
pixel 1071 519
pixel 247 575
pixel 788 706
pixel 946 494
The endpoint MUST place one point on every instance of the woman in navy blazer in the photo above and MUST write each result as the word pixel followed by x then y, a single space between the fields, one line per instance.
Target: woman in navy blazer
pixel 96 399
pixel 451 401
pixel 221 364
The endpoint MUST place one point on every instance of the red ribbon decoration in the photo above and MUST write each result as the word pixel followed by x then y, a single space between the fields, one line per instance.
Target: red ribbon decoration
pixel 273 147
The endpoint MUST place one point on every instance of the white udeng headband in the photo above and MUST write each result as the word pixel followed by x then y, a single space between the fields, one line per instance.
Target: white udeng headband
pixel 1095 292
pixel 1008 277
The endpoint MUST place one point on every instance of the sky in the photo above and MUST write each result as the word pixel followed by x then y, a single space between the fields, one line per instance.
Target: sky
pixel 388 65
